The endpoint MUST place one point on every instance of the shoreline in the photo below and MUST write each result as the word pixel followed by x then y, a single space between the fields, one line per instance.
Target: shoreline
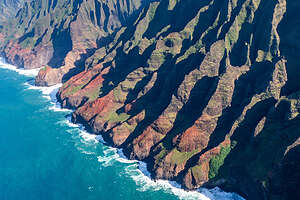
pixel 50 94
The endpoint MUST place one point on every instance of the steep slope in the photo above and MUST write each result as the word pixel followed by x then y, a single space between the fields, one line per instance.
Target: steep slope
pixel 205 97
pixel 61 34
pixel 206 92
pixel 8 9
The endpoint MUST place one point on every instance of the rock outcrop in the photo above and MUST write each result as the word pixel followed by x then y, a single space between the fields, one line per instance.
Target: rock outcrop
pixel 8 9
pixel 59 35
pixel 208 97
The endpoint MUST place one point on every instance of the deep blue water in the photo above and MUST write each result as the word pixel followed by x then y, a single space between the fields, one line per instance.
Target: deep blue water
pixel 43 157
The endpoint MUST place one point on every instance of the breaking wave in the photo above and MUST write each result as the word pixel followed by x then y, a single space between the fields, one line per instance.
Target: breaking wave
pixel 27 72
pixel 134 169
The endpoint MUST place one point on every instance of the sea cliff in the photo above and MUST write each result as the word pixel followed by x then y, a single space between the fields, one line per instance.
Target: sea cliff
pixel 205 92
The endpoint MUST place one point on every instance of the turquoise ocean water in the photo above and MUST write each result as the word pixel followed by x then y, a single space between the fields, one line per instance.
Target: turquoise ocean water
pixel 43 156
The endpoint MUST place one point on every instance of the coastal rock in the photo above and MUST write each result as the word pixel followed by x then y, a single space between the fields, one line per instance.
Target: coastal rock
pixel 194 96
pixel 61 38
pixel 208 97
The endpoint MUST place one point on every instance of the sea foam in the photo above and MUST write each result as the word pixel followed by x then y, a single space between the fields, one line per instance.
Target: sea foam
pixel 26 72
pixel 136 170
pixel 142 177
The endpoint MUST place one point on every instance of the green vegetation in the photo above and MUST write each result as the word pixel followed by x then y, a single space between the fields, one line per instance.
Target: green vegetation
pixel 161 154
pixel 118 94
pixel 197 171
pixel 130 127
pixel 94 94
pixel 180 157
pixel 157 59
pixel 233 34
pixel 115 117
pixel 217 161
pixel 45 68
pixel 74 90
pixel 262 56
pixel 152 10
pixel 191 50
pixel 172 4
pixel 28 43
pixel 91 94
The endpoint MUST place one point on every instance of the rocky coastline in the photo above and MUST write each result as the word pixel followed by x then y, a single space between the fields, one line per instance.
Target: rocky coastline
pixel 205 98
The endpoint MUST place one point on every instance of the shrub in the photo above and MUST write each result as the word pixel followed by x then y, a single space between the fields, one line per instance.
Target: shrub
pixel 217 161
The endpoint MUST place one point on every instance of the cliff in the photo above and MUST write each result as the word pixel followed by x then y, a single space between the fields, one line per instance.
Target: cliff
pixel 206 92
pixel 8 9
pixel 58 35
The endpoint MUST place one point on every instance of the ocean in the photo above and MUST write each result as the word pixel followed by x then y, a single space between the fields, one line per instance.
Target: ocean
pixel 43 156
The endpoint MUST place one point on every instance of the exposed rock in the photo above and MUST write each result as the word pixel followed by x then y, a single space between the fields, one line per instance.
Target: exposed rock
pixel 62 38
pixel 208 97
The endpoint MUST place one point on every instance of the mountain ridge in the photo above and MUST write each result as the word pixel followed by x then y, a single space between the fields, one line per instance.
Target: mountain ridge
pixel 208 97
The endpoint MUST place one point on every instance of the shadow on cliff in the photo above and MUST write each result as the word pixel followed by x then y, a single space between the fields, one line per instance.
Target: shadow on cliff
pixel 192 109
pixel 164 17
pixel 153 111
pixel 62 44
pixel 289 175
pixel 262 29
pixel 248 85
pixel 127 63
pixel 243 135
pixel 262 158
pixel 163 88
pixel 253 82
pixel 256 157
pixel 289 30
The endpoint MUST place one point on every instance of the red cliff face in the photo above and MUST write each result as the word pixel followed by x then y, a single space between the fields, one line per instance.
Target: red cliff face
pixel 208 97
pixel 189 104
pixel 26 57
pixel 61 38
